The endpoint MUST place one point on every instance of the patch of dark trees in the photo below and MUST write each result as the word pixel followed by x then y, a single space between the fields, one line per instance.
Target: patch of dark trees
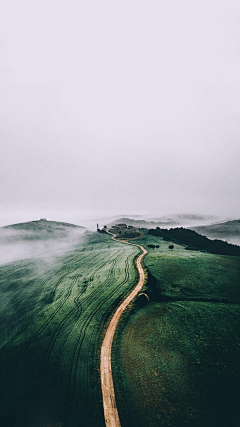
pixel 194 241
pixel 101 230
pixel 153 246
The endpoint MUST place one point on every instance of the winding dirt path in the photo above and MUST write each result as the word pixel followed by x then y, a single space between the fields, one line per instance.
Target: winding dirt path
pixel 109 401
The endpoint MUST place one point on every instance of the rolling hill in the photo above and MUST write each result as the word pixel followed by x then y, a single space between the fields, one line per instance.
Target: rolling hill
pixel 175 360
pixel 33 238
pixel 42 229
pixel 184 218
pixel 229 231
pixel 167 221
pixel 52 314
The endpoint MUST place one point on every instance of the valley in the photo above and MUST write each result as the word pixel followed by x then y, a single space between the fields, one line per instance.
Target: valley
pixel 173 355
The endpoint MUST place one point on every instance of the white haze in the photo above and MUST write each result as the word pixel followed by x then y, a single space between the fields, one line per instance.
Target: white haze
pixel 119 106
pixel 16 245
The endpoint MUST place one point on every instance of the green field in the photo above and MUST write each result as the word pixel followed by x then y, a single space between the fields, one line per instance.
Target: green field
pixel 176 360
pixel 53 311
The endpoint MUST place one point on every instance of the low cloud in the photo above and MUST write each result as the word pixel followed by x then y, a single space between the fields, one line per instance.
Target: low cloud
pixel 16 245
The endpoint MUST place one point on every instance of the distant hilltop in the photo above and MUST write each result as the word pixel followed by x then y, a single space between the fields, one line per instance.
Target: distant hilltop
pixel 185 217
pixel 229 231
pixel 41 223
pixel 167 221
pixel 136 223
pixel 41 229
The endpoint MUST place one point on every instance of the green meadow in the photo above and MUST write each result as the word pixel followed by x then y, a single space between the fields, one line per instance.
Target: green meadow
pixel 176 360
pixel 53 312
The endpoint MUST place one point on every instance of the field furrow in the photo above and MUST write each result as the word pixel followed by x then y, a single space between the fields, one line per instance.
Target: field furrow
pixel 52 330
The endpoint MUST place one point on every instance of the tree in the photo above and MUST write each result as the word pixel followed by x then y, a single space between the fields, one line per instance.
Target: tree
pixel 171 247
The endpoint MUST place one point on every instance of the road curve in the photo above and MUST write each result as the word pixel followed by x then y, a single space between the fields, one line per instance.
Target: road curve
pixel 109 401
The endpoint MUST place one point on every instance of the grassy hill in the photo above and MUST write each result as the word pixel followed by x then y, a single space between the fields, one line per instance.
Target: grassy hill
pixel 229 231
pixel 134 222
pixel 167 220
pixel 183 219
pixel 52 314
pixel 176 359
pixel 41 229
pixel 33 238
pixel 193 240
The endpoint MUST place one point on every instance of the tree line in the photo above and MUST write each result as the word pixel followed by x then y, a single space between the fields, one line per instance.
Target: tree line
pixel 194 241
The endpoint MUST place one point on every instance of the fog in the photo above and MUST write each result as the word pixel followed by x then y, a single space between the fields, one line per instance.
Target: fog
pixel 119 107
pixel 16 245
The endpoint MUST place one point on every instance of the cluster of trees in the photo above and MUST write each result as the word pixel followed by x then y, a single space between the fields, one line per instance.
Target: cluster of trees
pixel 153 246
pixel 103 230
pixel 195 241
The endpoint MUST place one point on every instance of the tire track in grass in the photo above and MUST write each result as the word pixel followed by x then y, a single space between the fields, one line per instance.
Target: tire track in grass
pixel 87 298
pixel 66 321
pixel 88 351
pixel 78 345
pixel 91 342
pixel 32 339
pixel 30 302
pixel 42 328
pixel 69 319
pixel 96 293
pixel 36 293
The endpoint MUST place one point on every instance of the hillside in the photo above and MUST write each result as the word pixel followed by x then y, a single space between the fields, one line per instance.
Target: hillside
pixel 43 228
pixel 33 238
pixel 140 223
pixel 183 219
pixel 229 231
pixel 167 221
pixel 134 222
pixel 175 360
pixel 52 314
pixel 192 240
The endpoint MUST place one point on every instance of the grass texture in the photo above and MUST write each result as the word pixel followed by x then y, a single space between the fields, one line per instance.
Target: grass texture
pixel 176 360
pixel 53 311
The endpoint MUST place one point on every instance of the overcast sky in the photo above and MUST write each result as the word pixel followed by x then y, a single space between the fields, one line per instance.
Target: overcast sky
pixel 129 106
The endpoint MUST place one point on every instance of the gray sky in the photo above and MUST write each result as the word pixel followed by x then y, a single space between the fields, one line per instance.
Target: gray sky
pixel 129 106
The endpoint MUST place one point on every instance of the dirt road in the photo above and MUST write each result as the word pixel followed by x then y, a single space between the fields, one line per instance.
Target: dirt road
pixel 109 402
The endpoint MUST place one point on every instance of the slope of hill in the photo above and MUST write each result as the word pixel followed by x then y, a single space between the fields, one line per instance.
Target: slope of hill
pixel 137 222
pixel 43 228
pixel 192 240
pixel 229 231
pixel 183 219
pixel 52 313
pixel 175 360
pixel 33 238
pixel 168 221
pixel 131 221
